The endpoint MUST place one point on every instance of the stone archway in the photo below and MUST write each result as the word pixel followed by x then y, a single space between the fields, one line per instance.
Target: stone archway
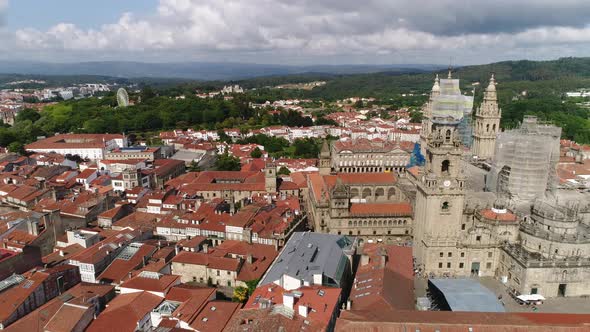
pixel 379 194
pixel 391 193
pixel 367 193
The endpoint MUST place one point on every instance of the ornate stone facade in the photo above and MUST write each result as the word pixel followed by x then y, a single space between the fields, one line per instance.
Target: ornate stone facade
pixel 487 124
pixel 365 156
pixel 370 206
pixel 553 255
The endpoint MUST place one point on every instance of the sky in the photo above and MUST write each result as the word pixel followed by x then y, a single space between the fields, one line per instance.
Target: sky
pixel 297 32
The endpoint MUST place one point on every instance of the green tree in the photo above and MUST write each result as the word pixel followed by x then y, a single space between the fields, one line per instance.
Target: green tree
pixel 240 294
pixel 225 162
pixel 16 147
pixel 416 116
pixel 256 153
pixel 284 171
pixel 28 114
pixel 147 93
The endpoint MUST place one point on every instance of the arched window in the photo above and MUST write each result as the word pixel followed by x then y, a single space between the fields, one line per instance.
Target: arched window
pixel 494 127
pixel 448 135
pixel 487 127
pixel 445 166
pixel 445 206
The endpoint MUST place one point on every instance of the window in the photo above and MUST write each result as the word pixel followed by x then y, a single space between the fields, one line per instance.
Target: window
pixel 442 254
pixel 440 265
pixel 488 265
pixel 389 232
pixel 229 284
pixel 445 166
pixel 374 232
pixel 445 206
pixel 478 238
pixel 349 232
pixel 490 254
pixel 450 254
pixel 218 273
pixel 462 254
pixel 463 227
pixel 461 265
pixel 228 273
pixel 339 232
pixel 448 265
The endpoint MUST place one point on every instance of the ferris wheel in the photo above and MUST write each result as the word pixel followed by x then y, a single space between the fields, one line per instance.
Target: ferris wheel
pixel 122 98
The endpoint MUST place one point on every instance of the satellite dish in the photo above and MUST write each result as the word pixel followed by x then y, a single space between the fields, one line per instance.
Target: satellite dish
pixel 122 98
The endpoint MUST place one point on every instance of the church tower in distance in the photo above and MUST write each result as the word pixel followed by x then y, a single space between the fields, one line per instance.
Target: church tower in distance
pixel 487 124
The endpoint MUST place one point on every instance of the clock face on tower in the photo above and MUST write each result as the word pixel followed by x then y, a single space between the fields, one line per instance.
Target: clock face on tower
pixel 447 183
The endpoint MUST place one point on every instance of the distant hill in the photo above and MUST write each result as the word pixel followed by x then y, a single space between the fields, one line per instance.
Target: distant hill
pixel 516 76
pixel 192 70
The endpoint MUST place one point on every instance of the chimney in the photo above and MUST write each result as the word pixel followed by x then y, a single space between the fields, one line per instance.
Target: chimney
pixel 303 309
pixel 348 304
pixel 61 253
pixel 383 261
pixel 249 258
pixel 364 259
pixel 205 248
pixel 176 250
pixel 288 300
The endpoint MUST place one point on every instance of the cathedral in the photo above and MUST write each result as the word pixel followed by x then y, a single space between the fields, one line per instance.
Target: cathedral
pixel 456 228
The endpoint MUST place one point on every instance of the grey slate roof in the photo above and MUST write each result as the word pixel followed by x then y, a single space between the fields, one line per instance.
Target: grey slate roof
pixel 308 253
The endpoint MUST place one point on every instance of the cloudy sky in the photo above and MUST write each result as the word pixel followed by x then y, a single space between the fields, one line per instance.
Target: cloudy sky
pixel 294 31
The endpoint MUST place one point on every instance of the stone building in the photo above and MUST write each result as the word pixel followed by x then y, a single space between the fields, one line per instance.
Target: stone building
pixel 366 156
pixel 553 255
pixel 440 195
pixel 487 124
pixel 371 207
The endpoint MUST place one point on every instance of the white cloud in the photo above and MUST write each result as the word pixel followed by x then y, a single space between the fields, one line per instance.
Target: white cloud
pixel 327 28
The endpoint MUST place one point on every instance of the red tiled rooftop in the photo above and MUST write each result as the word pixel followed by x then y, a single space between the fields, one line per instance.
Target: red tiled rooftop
pixel 381 209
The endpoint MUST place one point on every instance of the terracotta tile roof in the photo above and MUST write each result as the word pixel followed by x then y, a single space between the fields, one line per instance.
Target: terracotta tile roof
pixel 162 284
pixel 68 317
pixel 262 257
pixel 381 209
pixel 448 321
pixel 73 141
pixel 36 320
pixel 384 287
pixel 62 254
pixel 504 217
pixel 126 310
pixel 214 316
pixel 321 301
pixel 119 269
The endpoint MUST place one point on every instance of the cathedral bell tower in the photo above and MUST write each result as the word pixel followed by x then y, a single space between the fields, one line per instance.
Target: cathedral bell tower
pixel 426 115
pixel 325 159
pixel 487 123
pixel 440 196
